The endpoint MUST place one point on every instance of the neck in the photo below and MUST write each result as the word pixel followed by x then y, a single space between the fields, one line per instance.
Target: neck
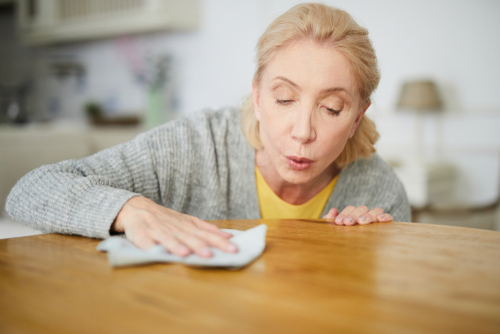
pixel 295 193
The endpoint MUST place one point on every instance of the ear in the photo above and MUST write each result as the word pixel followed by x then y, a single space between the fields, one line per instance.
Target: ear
pixel 358 118
pixel 256 99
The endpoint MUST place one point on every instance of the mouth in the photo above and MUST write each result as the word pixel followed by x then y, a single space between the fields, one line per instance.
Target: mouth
pixel 298 163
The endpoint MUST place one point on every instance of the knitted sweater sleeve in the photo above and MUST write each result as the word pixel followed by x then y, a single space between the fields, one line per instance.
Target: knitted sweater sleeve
pixel 181 165
pixel 84 196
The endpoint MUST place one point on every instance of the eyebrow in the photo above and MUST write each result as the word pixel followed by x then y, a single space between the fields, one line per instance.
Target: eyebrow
pixel 288 81
pixel 324 91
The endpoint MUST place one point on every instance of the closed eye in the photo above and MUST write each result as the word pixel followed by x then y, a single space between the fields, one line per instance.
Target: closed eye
pixel 333 112
pixel 284 102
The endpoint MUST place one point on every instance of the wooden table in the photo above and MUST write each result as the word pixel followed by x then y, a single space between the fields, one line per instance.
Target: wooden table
pixel 313 277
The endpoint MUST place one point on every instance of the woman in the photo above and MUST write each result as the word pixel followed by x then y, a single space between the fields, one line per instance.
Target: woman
pixel 316 70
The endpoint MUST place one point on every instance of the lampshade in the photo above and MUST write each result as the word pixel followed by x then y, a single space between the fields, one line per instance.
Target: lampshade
pixel 420 96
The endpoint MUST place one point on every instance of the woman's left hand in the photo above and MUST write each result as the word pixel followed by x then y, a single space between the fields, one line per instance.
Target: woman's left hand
pixel 360 215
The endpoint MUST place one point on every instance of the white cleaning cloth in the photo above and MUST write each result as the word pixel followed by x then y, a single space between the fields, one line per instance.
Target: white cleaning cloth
pixel 251 243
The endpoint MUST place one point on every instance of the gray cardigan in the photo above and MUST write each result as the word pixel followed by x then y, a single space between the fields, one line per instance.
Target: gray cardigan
pixel 200 165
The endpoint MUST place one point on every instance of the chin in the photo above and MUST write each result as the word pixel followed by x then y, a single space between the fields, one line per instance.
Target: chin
pixel 296 177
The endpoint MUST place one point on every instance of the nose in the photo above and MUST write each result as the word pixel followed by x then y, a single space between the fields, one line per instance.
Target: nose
pixel 303 129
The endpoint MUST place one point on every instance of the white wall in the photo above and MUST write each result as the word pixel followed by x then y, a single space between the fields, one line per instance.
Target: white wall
pixel 455 42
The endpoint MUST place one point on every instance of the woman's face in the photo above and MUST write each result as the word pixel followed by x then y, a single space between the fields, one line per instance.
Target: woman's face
pixel 308 105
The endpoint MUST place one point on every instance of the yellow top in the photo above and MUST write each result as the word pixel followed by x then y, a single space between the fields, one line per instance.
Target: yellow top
pixel 273 207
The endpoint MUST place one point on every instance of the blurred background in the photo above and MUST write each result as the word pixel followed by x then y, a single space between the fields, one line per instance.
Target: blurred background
pixel 77 76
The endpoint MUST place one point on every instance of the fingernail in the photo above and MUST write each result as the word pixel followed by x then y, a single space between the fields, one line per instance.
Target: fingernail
pixel 362 219
pixel 231 248
pixel 338 219
pixel 348 219
pixel 183 250
pixel 380 216
pixel 205 252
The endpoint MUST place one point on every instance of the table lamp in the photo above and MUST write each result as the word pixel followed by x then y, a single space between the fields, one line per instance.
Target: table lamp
pixel 426 182
pixel 420 97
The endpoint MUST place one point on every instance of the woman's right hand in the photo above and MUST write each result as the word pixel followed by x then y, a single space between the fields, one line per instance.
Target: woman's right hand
pixel 146 224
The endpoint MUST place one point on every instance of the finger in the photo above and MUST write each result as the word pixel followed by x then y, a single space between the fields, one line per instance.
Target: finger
pixel 140 239
pixel 332 214
pixel 186 229
pixel 370 217
pixel 172 244
pixel 340 218
pixel 173 235
pixel 366 219
pixel 211 228
pixel 148 236
pixel 384 218
pixel 215 240
pixel 352 217
pixel 198 246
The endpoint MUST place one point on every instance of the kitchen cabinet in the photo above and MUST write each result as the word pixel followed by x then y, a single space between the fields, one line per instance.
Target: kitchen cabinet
pixel 55 21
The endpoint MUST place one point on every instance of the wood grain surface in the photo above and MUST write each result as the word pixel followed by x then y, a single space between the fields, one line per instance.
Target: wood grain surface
pixel 313 277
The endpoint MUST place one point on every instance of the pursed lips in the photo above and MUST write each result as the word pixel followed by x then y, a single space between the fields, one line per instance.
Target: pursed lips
pixel 298 163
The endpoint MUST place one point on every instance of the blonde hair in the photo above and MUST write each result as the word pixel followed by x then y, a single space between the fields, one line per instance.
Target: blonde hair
pixel 325 25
